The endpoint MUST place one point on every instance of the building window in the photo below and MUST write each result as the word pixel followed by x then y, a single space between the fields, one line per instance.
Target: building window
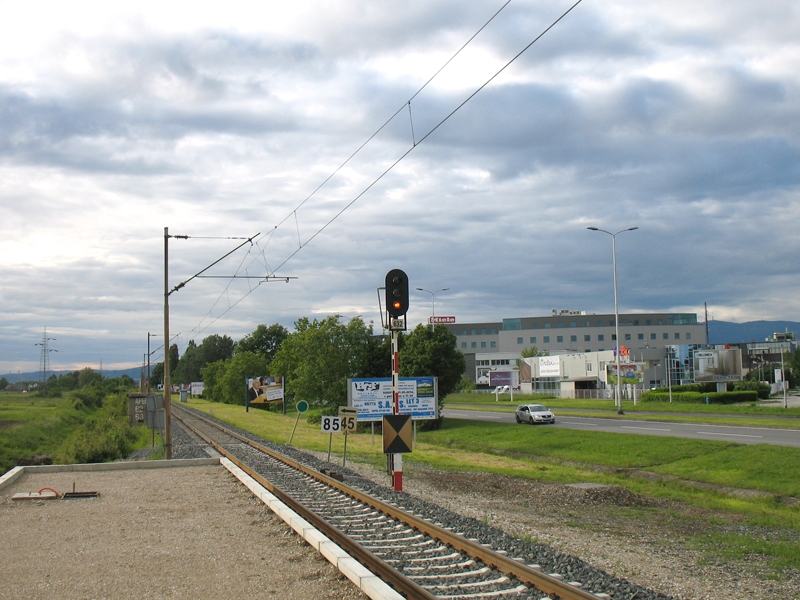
pixel 519 340
pixel 665 336
pixel 652 336
pixel 463 344
pixel 688 336
pixel 660 322
pixel 463 332
pixel 560 339
pixel 586 323
pixel 636 322
pixel 588 367
pixel 494 344
pixel 535 326
pixel 587 338
pixel 599 323
pixel 601 338
pixel 573 324
pixel 677 335
pixel 547 325
pixel 483 344
pixel 627 337
pixel 473 332
pixel 613 337
pixel 573 338
pixel 611 323
pixel 474 345
pixel 648 322
pixel 560 325
pixel 493 331
pixel 533 340
pixel 483 331
pixel 547 339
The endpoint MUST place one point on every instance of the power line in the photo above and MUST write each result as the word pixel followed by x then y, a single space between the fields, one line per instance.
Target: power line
pixel 415 143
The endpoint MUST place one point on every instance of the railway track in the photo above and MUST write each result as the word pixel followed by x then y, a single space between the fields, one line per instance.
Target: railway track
pixel 416 556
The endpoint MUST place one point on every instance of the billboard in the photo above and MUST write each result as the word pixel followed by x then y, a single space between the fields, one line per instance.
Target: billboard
pixel 264 390
pixel 549 366
pixel 509 378
pixel 632 373
pixel 418 397
pixel 723 364
pixel 197 388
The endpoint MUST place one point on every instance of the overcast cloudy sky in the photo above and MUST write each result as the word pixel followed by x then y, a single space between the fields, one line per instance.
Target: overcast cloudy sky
pixel 118 119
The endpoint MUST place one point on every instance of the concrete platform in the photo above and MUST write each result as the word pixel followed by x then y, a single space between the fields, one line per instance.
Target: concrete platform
pixel 165 529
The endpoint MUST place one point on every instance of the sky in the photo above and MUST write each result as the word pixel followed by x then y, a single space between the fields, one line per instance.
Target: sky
pixel 251 120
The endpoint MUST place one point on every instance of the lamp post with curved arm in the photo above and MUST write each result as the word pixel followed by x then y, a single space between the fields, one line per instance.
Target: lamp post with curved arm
pixel 433 296
pixel 616 308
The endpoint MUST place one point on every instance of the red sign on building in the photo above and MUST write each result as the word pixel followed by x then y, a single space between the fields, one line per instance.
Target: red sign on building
pixel 443 320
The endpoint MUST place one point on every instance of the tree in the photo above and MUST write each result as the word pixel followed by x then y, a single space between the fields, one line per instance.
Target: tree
pixel 188 369
pixel 427 351
pixel 3 383
pixel 319 356
pixel 216 347
pixel 87 377
pixel 232 377
pixel 211 375
pixel 174 359
pixel 533 351
pixel 265 341
pixel 156 376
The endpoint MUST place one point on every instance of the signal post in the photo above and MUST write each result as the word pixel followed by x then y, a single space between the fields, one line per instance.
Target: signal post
pixel 397 299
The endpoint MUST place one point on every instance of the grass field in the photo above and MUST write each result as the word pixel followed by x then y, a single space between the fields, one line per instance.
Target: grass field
pixel 31 426
pixel 555 454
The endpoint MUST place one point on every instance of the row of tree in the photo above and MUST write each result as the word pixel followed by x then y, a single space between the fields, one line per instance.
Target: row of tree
pixel 316 359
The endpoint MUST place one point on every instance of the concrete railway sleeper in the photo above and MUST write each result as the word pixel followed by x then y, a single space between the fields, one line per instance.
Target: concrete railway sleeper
pixel 418 557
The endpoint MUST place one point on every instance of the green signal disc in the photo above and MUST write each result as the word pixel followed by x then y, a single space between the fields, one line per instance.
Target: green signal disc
pixel 302 406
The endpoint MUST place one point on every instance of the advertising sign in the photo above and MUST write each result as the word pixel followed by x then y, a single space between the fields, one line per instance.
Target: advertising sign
pixel 418 397
pixel 632 373
pixel 723 364
pixel 263 390
pixel 197 388
pixel 443 320
pixel 549 366
pixel 509 378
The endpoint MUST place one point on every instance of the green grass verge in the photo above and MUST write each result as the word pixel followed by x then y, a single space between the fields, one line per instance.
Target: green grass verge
pixel 684 470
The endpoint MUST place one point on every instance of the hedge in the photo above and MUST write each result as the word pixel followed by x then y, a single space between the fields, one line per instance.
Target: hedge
pixel 700 398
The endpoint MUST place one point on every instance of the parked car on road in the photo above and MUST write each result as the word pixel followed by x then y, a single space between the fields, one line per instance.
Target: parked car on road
pixel 534 413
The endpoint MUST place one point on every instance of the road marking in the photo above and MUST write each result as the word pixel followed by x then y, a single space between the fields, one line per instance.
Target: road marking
pixel 645 428
pixel 563 420
pixel 730 434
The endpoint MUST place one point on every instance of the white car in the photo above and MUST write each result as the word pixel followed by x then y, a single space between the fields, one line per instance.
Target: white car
pixel 534 413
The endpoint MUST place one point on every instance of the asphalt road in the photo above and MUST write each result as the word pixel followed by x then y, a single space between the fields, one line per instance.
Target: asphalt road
pixel 729 433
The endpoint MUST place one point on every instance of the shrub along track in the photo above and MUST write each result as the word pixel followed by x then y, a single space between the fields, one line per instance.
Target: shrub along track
pixel 420 550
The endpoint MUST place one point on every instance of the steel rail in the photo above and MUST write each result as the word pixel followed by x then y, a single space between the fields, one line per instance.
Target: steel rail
pixel 391 576
pixel 525 574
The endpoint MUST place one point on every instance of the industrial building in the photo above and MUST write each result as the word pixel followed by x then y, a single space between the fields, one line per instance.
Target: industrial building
pixel 493 346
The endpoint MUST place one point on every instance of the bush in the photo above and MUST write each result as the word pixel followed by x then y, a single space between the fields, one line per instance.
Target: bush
pixel 105 436
pixel 700 398
pixel 762 389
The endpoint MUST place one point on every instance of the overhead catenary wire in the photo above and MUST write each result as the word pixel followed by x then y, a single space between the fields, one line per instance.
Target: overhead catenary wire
pixel 415 144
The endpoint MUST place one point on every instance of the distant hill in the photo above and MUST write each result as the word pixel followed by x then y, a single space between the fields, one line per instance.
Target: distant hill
pixel 134 373
pixel 725 332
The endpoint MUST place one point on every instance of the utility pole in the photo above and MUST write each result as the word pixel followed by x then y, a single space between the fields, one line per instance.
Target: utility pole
pixel 44 363
pixel 167 383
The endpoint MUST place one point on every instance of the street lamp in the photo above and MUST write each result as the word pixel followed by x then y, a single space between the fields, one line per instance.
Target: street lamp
pixel 616 307
pixel 433 296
